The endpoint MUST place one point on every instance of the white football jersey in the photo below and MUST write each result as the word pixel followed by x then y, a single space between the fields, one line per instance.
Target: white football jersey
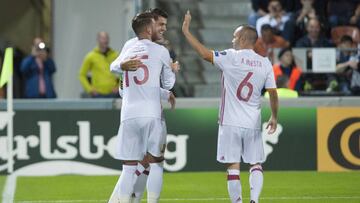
pixel 244 75
pixel 141 88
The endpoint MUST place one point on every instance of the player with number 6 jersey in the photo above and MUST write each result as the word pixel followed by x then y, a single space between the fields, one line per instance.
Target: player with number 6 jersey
pixel 244 75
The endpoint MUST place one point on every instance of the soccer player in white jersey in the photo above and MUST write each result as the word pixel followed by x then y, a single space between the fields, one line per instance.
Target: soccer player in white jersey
pixel 140 130
pixel 244 75
pixel 142 171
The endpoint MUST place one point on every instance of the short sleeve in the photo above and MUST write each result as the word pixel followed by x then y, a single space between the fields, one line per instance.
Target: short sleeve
pixel 222 59
pixel 270 77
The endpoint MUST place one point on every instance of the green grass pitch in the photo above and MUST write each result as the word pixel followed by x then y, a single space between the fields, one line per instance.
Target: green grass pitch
pixel 289 187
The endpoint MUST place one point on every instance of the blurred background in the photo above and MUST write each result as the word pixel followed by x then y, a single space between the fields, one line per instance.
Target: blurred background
pixel 69 29
pixel 62 53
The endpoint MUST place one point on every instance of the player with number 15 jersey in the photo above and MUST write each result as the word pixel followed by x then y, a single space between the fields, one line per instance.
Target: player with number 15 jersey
pixel 141 88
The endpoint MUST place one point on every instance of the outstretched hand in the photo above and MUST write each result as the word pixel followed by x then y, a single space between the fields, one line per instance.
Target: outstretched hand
pixel 186 23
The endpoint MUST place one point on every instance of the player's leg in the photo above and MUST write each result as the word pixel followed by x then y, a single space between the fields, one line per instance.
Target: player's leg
pixel 130 149
pixel 114 198
pixel 229 152
pixel 155 179
pixel 126 181
pixel 141 181
pixel 233 182
pixel 156 148
pixel 141 175
pixel 122 191
pixel 256 180
pixel 139 187
pixel 254 155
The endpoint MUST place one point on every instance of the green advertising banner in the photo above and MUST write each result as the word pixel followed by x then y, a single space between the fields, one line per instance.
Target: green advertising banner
pixel 292 147
pixel 84 141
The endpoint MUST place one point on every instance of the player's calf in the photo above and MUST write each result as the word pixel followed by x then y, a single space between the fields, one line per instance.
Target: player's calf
pixel 141 175
pixel 256 182
pixel 126 181
pixel 155 179
pixel 233 183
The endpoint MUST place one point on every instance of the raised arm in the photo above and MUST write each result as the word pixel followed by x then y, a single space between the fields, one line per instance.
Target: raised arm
pixel 204 52
pixel 274 105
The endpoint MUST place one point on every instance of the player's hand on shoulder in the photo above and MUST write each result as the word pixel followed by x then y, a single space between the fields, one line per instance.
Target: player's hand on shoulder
pixel 186 23
pixel 175 66
pixel 172 100
pixel 131 64
pixel 272 125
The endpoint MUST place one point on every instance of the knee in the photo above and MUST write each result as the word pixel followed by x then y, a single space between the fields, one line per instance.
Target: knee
pixel 153 159
pixel 130 163
pixel 256 167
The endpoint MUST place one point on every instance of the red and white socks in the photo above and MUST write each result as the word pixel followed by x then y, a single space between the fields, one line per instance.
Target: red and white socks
pixel 234 185
pixel 140 184
pixel 256 180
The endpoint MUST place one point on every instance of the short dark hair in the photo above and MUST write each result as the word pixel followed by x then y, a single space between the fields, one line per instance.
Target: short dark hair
pixel 140 21
pixel 158 12
pixel 346 38
pixel 250 33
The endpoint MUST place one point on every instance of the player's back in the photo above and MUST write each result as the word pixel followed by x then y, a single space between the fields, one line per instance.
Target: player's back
pixel 141 88
pixel 245 74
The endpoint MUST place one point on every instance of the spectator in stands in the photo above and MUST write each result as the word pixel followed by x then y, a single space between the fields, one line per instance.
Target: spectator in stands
pixel 282 84
pixel 303 16
pixel 288 67
pixel 101 82
pixel 313 37
pixel 355 19
pixel 268 41
pixel 37 70
pixel 278 19
pixel 259 10
pixel 340 11
pixel 347 66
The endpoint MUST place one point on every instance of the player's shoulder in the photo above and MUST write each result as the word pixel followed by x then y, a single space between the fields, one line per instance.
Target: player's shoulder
pixel 260 57
pixel 159 49
pixel 225 52
pixel 131 41
pixel 158 46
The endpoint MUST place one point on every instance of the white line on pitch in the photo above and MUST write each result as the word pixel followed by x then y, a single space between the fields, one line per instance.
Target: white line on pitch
pixel 205 199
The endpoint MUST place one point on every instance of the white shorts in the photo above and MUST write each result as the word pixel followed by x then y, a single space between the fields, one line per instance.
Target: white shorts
pixel 235 143
pixel 138 136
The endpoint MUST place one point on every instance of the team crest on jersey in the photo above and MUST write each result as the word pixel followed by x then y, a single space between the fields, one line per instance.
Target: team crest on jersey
pixel 223 53
pixel 216 53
